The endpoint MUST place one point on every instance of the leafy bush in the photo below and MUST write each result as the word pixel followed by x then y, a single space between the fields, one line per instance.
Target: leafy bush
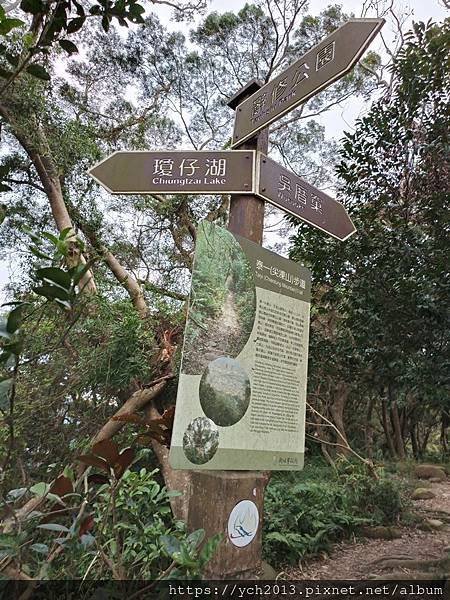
pixel 142 534
pixel 305 512
pixel 382 499
pixel 129 533
pixel 303 519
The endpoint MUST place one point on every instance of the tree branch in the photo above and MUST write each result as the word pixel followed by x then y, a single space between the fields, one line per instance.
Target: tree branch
pixel 39 152
pixel 136 402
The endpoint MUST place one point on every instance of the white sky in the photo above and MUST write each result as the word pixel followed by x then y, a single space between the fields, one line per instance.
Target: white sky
pixel 342 117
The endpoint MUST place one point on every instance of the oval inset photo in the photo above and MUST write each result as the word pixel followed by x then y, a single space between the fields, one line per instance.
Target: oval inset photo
pixel 200 440
pixel 224 391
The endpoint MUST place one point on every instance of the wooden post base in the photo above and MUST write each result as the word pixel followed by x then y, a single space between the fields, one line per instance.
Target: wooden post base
pixel 213 495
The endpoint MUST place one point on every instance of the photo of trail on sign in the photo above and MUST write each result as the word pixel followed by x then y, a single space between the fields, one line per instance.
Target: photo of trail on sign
pixel 242 387
pixel 223 301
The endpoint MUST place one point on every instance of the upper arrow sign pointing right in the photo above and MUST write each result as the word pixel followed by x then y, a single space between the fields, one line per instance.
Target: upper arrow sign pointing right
pixel 314 71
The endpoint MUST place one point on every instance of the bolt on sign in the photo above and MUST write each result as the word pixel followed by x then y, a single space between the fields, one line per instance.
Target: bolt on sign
pixel 289 192
pixel 314 71
pixel 177 172
pixel 242 386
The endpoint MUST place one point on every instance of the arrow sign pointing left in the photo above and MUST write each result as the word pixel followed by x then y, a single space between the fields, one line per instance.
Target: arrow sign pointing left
pixel 177 172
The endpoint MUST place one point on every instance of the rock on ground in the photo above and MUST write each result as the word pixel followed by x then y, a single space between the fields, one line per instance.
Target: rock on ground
pixel 430 471
pixel 422 494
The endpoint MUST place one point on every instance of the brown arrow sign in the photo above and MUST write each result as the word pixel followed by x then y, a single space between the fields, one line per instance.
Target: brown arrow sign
pixel 289 192
pixel 177 172
pixel 314 71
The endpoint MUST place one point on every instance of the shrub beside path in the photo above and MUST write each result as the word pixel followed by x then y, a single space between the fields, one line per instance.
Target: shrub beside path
pixel 422 550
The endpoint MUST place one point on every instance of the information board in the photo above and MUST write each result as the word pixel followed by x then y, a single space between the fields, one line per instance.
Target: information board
pixel 242 385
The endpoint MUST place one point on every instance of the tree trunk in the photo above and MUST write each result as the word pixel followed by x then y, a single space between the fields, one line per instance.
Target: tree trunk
pixel 125 278
pixel 39 153
pixel 398 438
pixel 424 443
pixel 387 432
pixel 136 402
pixel 178 481
pixel 369 430
pixel 128 282
pixel 341 394
pixel 445 423
pixel 404 423
pixel 414 444
pixel 327 456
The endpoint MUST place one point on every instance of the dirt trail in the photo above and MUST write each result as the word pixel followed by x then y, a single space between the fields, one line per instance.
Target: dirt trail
pixel 222 331
pixel 228 320
pixel 368 558
pixel 220 336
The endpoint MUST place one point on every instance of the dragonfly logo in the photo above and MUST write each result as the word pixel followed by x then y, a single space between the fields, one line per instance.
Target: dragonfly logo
pixel 243 523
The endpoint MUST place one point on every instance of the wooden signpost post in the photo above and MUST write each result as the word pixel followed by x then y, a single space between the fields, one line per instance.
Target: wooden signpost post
pixel 228 488
pixel 251 178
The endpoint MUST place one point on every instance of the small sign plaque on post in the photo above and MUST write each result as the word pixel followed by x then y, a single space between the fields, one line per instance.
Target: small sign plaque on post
pixel 242 385
pixel 177 172
pixel 289 192
pixel 314 71
pixel 243 523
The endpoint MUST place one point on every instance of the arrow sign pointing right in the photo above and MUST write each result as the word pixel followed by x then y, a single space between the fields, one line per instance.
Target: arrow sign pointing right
pixel 289 192
pixel 314 71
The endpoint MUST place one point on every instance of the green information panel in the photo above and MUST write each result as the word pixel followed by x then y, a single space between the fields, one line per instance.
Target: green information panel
pixel 242 387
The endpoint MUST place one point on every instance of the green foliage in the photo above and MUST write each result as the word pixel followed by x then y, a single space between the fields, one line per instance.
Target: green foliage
pixel 109 333
pixel 10 349
pixel 383 499
pixel 58 21
pixel 121 348
pixel 78 368
pixel 140 534
pixel 5 394
pixel 380 299
pixel 189 555
pixel 38 71
pixel 7 24
pixel 130 521
pixel 305 512
pixel 217 24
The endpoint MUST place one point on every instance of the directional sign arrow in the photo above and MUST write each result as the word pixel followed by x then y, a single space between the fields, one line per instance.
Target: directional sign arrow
pixel 289 192
pixel 177 172
pixel 314 71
